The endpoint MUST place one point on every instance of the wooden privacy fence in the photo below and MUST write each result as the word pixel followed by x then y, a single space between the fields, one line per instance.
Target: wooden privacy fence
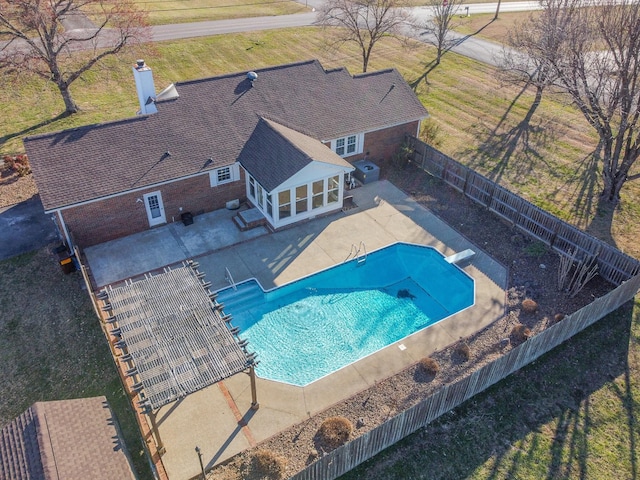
pixel 613 265
pixel 352 454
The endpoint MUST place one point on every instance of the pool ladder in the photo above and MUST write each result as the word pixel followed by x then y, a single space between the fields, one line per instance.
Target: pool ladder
pixel 229 278
pixel 359 253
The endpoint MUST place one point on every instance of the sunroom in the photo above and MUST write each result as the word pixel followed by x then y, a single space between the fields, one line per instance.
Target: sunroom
pixel 290 176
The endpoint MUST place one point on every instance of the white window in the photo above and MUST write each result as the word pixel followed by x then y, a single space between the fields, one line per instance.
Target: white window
pixel 269 205
pixel 333 192
pixel 301 198
pixel 284 204
pixel 223 175
pixel 317 189
pixel 252 187
pixel 259 196
pixel 350 145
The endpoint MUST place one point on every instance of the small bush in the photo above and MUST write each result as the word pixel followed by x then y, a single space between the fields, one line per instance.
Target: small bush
pixel 529 306
pixel 429 366
pixel 18 164
pixel 267 464
pixel 430 133
pixel 463 351
pixel 335 431
pixel 520 332
pixel 536 249
pixel 558 317
pixel 402 157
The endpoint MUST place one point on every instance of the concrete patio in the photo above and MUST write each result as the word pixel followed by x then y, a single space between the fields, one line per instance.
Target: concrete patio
pixel 218 419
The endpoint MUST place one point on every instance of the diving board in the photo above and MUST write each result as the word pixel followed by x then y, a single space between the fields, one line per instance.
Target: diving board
pixel 460 256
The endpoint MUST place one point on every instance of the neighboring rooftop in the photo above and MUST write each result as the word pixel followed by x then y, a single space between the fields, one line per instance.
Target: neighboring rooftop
pixel 214 118
pixel 64 440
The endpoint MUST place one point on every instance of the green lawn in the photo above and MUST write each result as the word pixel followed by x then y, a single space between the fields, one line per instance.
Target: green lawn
pixel 570 415
pixel 517 430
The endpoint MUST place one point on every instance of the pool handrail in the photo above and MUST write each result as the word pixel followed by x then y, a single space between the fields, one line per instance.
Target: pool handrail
pixel 229 278
pixel 354 252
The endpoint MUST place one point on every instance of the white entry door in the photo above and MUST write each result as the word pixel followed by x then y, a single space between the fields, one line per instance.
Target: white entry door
pixel 155 208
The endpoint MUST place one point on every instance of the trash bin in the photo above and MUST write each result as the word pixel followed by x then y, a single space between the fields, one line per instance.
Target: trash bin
pixel 67 265
pixel 187 218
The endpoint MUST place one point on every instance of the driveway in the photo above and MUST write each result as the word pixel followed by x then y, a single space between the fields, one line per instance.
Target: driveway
pixel 24 228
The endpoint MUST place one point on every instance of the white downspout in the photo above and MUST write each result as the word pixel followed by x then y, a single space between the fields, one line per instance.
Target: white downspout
pixel 64 229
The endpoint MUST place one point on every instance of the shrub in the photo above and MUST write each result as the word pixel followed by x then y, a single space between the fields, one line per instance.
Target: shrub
pixel 18 164
pixel 430 132
pixel 429 366
pixel 536 249
pixel 529 306
pixel 558 316
pixel 520 332
pixel 267 464
pixel 402 157
pixel 335 431
pixel 463 351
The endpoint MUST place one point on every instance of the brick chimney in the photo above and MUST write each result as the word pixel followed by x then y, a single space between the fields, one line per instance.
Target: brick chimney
pixel 145 88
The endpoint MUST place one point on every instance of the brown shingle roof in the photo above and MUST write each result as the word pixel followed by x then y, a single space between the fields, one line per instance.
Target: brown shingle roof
pixel 64 439
pixel 214 117
pixel 274 153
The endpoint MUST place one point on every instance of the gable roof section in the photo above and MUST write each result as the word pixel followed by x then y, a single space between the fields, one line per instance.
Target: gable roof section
pixel 65 439
pixel 275 153
pixel 213 118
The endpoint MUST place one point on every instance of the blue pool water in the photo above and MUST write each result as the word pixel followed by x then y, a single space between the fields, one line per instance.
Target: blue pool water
pixel 312 327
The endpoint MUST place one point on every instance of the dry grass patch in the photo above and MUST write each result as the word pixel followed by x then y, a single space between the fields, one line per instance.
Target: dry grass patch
pixel 529 306
pixel 267 465
pixel 429 366
pixel 520 333
pixel 462 351
pixel 333 432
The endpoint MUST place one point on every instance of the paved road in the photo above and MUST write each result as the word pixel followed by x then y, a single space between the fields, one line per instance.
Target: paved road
pixel 467 45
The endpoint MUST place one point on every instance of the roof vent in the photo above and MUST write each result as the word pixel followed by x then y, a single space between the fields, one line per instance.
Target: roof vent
pixel 252 76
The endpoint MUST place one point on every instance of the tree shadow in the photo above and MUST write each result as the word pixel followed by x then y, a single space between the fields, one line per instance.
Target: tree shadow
pixel 568 403
pixel 512 150
pixel 428 68
pixel 582 191
pixel 546 411
pixel 9 136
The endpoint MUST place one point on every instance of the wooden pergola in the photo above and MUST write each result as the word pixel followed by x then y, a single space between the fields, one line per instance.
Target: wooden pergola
pixel 175 339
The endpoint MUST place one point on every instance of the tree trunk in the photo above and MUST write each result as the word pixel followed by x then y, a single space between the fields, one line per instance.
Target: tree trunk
pixel 613 183
pixel 69 104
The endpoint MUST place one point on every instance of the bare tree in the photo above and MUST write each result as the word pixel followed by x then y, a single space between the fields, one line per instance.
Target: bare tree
pixel 364 22
pixel 441 23
pixel 597 62
pixel 533 47
pixel 38 42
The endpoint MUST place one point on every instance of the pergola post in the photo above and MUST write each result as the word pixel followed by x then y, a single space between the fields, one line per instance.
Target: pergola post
pixel 254 396
pixel 156 433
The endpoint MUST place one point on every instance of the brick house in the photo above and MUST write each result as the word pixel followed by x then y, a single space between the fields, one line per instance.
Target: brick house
pixel 282 138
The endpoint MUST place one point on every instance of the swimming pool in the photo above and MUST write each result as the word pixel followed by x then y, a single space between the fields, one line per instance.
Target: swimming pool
pixel 314 326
